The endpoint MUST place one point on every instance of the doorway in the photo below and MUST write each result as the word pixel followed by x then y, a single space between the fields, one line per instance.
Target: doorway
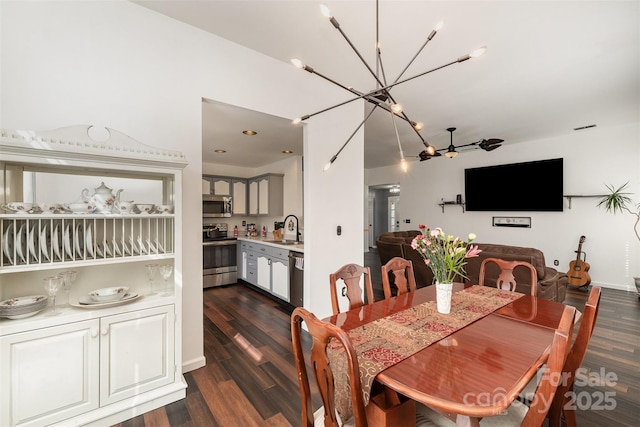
pixel 380 212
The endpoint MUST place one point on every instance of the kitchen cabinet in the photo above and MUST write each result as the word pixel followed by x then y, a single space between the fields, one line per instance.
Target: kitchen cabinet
pixel 266 193
pixel 86 366
pixel 90 364
pixel 218 185
pixel 273 270
pixel 248 262
pixel 239 187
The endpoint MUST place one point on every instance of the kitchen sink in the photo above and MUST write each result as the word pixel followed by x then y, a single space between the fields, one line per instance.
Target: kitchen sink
pixel 283 242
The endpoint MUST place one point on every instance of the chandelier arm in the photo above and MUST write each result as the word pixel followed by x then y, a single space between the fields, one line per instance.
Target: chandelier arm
pixel 395 127
pixel 357 52
pixel 433 33
pixel 375 91
pixel 352 135
pixel 379 59
pixel 404 116
pixel 335 82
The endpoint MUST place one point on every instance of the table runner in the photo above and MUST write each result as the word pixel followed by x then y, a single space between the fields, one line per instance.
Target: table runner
pixel 387 341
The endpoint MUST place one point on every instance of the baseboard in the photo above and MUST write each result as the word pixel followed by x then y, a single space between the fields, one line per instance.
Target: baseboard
pixel 193 364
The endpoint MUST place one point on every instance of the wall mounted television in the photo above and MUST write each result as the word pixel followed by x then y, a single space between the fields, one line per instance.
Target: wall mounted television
pixel 517 187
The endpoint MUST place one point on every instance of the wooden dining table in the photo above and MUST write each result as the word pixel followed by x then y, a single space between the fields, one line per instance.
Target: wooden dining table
pixel 478 370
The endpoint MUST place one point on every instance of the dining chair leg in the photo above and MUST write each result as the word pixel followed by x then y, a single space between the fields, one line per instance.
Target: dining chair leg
pixel 569 417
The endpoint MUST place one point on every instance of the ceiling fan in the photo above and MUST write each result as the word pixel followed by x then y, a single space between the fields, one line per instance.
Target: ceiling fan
pixel 451 151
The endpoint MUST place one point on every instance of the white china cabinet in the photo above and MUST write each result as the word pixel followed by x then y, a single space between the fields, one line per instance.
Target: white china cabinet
pixel 95 363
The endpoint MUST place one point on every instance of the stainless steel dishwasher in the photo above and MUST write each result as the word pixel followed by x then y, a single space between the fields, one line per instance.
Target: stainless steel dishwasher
pixel 296 278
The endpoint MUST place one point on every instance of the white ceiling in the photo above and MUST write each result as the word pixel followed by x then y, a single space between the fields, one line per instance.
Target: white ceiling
pixel 551 66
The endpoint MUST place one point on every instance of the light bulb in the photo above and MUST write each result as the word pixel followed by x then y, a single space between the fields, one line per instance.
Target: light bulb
pixel 404 165
pixel 478 52
pixel 430 150
pixel 325 11
pixel 297 120
pixel 396 108
pixel 297 63
pixel 418 126
pixel 451 154
pixel 326 167
pixel 439 25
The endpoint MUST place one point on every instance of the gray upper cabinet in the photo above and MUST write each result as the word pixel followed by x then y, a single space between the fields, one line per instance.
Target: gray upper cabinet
pixel 239 193
pixel 217 185
pixel 266 194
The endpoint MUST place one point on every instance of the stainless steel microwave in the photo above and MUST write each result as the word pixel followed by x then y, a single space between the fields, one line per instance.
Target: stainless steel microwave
pixel 216 206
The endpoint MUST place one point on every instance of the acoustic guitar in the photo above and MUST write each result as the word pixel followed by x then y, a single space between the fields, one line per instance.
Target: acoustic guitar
pixel 578 269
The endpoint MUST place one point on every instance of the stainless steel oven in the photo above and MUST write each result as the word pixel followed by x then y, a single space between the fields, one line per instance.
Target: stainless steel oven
pixel 216 206
pixel 219 256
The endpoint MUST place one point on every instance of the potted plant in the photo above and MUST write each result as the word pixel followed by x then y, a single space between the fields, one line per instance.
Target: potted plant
pixel 619 201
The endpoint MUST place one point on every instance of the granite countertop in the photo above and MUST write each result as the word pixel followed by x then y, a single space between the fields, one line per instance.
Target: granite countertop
pixel 270 241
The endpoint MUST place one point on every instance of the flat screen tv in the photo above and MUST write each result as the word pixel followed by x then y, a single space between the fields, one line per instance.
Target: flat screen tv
pixel 516 187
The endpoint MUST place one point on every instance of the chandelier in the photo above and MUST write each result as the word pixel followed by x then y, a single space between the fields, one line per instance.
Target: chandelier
pixel 381 96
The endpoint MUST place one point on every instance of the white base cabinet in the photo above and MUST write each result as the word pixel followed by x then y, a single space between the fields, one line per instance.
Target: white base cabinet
pixel 266 267
pixel 54 374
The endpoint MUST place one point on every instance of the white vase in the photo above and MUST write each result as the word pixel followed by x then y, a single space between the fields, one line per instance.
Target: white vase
pixel 443 297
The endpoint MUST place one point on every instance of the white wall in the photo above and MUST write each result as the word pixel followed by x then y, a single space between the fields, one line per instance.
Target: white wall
pixel 592 158
pixel 115 64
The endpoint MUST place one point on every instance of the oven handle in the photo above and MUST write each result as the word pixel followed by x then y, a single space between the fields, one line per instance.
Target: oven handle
pixel 220 243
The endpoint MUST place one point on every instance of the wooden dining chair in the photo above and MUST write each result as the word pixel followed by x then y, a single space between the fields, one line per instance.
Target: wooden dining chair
pixel 403 276
pixel 573 362
pixel 519 413
pixel 506 279
pixel 351 275
pixel 321 333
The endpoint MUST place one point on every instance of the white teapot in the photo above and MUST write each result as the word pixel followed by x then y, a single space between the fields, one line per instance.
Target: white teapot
pixel 103 198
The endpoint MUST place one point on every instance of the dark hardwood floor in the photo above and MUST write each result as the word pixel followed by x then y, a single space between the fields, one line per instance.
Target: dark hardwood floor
pixel 250 378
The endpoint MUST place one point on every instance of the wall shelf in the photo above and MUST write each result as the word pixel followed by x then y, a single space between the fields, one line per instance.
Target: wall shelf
pixel 449 203
pixel 570 196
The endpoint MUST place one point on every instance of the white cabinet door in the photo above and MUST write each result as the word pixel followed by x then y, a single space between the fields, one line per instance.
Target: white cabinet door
pixel 206 186
pixel 280 278
pixel 136 352
pixel 243 265
pixel 263 196
pixel 221 186
pixel 49 374
pixel 264 272
pixel 253 198
pixel 239 197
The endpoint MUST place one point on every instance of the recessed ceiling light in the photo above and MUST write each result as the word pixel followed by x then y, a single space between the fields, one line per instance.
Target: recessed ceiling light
pixel 287 152
pixel 584 127
pixel 250 132
pixel 219 151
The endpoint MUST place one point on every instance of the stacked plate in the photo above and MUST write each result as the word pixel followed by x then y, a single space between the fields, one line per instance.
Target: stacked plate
pixel 21 307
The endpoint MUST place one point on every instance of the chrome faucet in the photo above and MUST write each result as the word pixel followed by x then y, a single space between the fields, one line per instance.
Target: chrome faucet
pixel 297 227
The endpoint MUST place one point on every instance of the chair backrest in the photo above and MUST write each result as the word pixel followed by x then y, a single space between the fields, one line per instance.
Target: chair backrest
pixel 404 279
pixel 351 274
pixel 552 377
pixel 321 333
pixel 576 356
pixel 506 280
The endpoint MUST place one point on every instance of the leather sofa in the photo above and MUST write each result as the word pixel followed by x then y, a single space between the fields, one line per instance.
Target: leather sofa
pixel 552 284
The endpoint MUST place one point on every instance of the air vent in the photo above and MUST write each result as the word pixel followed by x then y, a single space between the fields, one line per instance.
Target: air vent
pixel 584 127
